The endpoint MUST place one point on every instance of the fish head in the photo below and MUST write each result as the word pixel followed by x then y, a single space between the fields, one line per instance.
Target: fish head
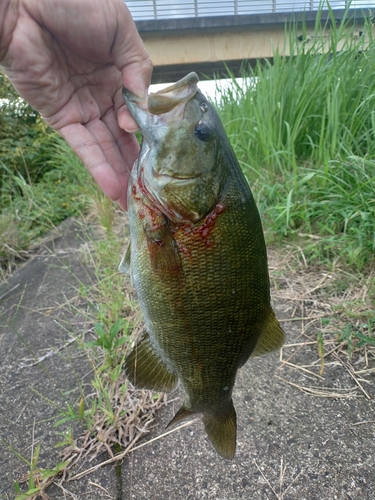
pixel 178 166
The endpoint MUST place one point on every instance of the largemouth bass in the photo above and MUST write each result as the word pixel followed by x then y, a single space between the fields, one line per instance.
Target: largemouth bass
pixel 198 259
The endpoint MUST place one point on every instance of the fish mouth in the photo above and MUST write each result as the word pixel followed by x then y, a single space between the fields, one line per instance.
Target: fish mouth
pixel 169 98
pixel 162 179
pixel 174 176
pixel 154 113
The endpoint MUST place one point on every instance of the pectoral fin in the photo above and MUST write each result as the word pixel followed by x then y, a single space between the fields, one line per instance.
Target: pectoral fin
pixel 161 245
pixel 163 252
pixel 272 337
pixel 145 369
pixel 124 266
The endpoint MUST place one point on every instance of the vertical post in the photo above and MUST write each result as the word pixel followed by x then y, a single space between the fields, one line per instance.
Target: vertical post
pixel 196 8
pixel 155 10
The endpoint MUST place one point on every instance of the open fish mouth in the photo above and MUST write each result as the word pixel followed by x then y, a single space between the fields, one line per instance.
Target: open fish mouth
pixel 154 113
pixel 176 157
pixel 167 99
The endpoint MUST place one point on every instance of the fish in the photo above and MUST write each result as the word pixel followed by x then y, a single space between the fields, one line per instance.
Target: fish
pixel 197 259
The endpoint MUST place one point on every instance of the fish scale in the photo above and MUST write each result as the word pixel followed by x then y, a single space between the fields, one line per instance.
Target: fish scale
pixel 198 260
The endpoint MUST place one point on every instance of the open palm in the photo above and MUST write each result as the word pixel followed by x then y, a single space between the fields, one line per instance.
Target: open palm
pixel 69 61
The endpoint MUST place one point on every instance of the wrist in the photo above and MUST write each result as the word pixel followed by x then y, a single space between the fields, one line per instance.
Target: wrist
pixel 8 21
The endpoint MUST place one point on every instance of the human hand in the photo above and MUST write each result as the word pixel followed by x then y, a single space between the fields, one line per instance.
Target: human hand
pixel 69 60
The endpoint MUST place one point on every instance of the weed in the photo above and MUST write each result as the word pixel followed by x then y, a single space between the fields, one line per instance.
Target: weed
pixel 303 131
pixel 29 209
pixel 37 479
pixel 110 341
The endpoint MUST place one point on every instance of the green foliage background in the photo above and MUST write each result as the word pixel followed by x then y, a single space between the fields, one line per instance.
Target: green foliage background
pixel 24 136
pixel 42 182
pixel 303 130
pixel 304 134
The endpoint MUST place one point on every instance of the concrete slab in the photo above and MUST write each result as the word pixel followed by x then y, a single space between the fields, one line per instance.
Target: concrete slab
pixel 35 320
pixel 290 445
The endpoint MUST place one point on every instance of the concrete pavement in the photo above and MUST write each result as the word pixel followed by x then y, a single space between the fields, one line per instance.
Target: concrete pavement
pixel 291 445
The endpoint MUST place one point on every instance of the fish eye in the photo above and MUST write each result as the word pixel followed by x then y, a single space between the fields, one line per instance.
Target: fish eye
pixel 204 107
pixel 203 131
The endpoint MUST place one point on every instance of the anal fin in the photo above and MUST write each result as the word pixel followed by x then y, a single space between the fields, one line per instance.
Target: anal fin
pixel 145 369
pixel 182 413
pixel 272 337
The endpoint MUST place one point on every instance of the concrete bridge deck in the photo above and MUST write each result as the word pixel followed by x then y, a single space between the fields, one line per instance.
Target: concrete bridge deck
pixel 204 44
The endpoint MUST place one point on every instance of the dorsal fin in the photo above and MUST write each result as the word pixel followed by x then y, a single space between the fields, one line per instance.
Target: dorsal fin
pixel 272 337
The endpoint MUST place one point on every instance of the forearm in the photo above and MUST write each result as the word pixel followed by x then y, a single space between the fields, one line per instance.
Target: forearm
pixel 8 20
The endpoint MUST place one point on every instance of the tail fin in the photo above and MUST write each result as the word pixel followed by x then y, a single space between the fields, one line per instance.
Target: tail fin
pixel 221 431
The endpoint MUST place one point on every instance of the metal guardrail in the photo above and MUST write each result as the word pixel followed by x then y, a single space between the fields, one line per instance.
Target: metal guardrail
pixel 174 9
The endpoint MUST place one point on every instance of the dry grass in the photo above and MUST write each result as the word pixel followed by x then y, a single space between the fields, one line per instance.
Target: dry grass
pixel 280 495
pixel 316 299
pixel 335 313
pixel 134 413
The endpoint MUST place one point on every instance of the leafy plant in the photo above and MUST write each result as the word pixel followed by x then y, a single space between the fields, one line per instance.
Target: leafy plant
pixel 110 341
pixel 37 479
pixel 24 137
pixel 31 208
pixel 303 129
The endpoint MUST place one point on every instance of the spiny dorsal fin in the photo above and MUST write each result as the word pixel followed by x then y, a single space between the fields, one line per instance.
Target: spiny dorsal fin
pixel 272 337
pixel 145 369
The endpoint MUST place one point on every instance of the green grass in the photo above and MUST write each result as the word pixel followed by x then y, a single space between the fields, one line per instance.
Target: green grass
pixel 30 208
pixel 303 130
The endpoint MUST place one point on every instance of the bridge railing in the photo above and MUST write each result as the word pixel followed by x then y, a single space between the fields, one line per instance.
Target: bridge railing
pixel 172 9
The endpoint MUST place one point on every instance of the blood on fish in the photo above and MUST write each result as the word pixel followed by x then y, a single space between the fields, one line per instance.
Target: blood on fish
pixel 209 223
pixel 183 249
pixel 190 231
